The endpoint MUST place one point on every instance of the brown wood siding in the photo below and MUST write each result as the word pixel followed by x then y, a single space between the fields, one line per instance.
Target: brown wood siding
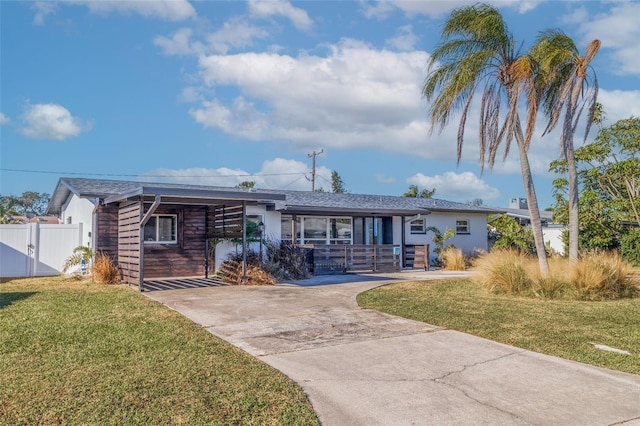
pixel 417 256
pixel 187 257
pixel 225 221
pixel 129 242
pixel 107 230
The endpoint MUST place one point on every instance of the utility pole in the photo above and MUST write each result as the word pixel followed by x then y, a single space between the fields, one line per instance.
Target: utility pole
pixel 313 156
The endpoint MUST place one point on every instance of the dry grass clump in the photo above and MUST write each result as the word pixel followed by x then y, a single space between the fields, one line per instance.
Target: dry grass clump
pixel 596 276
pixel 503 272
pixel 453 259
pixel 104 270
pixel 603 275
pixel 231 273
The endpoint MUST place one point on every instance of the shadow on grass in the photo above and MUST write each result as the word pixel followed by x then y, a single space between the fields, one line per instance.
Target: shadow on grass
pixel 6 299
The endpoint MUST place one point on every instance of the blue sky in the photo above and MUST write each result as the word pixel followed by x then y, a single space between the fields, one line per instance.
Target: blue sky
pixel 213 92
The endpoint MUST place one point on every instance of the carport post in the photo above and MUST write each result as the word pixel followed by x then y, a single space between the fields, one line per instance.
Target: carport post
pixel 244 240
pixel 143 221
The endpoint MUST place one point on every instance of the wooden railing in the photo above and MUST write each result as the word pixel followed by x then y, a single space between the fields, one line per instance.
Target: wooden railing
pixel 329 259
pixel 416 256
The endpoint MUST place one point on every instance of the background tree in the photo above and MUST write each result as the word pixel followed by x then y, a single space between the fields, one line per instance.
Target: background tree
pixel 8 205
pixel 563 75
pixel 414 192
pixel 506 233
pixel 337 185
pixel 29 204
pixel 609 177
pixel 478 51
pixel 248 184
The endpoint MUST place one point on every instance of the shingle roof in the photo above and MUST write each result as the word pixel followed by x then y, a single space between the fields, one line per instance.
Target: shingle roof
pixel 295 201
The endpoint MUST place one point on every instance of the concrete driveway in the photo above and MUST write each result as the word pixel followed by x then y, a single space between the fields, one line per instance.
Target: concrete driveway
pixel 361 367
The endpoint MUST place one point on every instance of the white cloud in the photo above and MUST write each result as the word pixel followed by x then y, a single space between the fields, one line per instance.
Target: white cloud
pixel 618 30
pixel 404 40
pixel 179 43
pixel 619 104
pixel 383 8
pixel 266 9
pixel 380 178
pixel 4 119
pixel 278 173
pixel 41 10
pixel 50 121
pixel 356 96
pixel 456 186
pixel 236 33
pixel 169 10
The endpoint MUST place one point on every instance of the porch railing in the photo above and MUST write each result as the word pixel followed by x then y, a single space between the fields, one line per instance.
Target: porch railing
pixel 329 259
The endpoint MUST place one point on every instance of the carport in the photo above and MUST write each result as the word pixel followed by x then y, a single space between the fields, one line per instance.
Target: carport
pixel 194 216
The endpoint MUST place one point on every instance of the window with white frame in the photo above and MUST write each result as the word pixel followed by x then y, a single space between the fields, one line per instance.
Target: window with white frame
pixel 161 229
pixel 318 229
pixel 418 226
pixel 462 226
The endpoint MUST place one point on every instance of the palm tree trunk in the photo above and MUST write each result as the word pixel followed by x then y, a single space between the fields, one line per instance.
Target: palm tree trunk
pixel 569 153
pixel 534 211
pixel 532 202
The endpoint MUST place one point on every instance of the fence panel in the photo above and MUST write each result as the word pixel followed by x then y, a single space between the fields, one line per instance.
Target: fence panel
pixel 54 245
pixel 36 250
pixel 15 260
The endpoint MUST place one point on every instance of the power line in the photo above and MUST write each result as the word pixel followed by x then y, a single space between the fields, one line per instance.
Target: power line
pixel 143 175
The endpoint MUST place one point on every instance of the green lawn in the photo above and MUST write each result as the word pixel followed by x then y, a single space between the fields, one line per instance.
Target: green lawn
pixel 562 328
pixel 78 353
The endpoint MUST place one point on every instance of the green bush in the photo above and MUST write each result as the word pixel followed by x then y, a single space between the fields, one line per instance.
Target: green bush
pixel 630 247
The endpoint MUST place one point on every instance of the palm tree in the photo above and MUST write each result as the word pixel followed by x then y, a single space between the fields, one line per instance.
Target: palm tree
pixel 564 74
pixel 477 50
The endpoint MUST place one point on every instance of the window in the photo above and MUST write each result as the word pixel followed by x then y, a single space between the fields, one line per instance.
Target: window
pixel 161 229
pixel 418 226
pixel 315 230
pixel 462 226
pixel 318 230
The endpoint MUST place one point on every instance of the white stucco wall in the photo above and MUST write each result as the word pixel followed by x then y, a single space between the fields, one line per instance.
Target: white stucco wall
pixel 468 243
pixel 271 220
pixel 552 235
pixel 79 210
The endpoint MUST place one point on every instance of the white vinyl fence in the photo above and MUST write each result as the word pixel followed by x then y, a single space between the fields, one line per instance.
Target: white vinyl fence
pixel 35 250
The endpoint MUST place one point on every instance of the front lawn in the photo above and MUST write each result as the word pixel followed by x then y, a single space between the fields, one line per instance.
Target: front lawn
pixel 565 329
pixel 79 353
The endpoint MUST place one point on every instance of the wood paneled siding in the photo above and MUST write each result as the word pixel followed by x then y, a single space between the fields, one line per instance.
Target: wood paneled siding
pixel 129 217
pixel 225 221
pixel 187 257
pixel 106 238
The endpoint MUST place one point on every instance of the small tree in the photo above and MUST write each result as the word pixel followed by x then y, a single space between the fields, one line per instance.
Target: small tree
pixel 439 239
pixel 414 192
pixel 248 184
pixel 337 185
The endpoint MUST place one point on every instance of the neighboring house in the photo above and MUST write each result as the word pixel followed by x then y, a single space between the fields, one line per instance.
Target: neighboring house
pixel 43 220
pixel 551 232
pixel 162 230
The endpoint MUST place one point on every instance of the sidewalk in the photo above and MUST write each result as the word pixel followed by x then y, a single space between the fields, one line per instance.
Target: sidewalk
pixel 361 367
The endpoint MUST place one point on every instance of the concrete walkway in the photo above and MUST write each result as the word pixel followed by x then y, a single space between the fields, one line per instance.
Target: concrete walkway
pixel 361 367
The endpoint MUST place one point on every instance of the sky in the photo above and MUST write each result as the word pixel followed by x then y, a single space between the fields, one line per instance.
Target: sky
pixel 221 92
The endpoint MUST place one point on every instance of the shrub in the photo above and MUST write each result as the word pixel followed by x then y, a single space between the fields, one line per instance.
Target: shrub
pixel 630 246
pixel 104 269
pixel 284 261
pixel 82 255
pixel 596 276
pixel 453 259
pixel 601 276
pixel 503 271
